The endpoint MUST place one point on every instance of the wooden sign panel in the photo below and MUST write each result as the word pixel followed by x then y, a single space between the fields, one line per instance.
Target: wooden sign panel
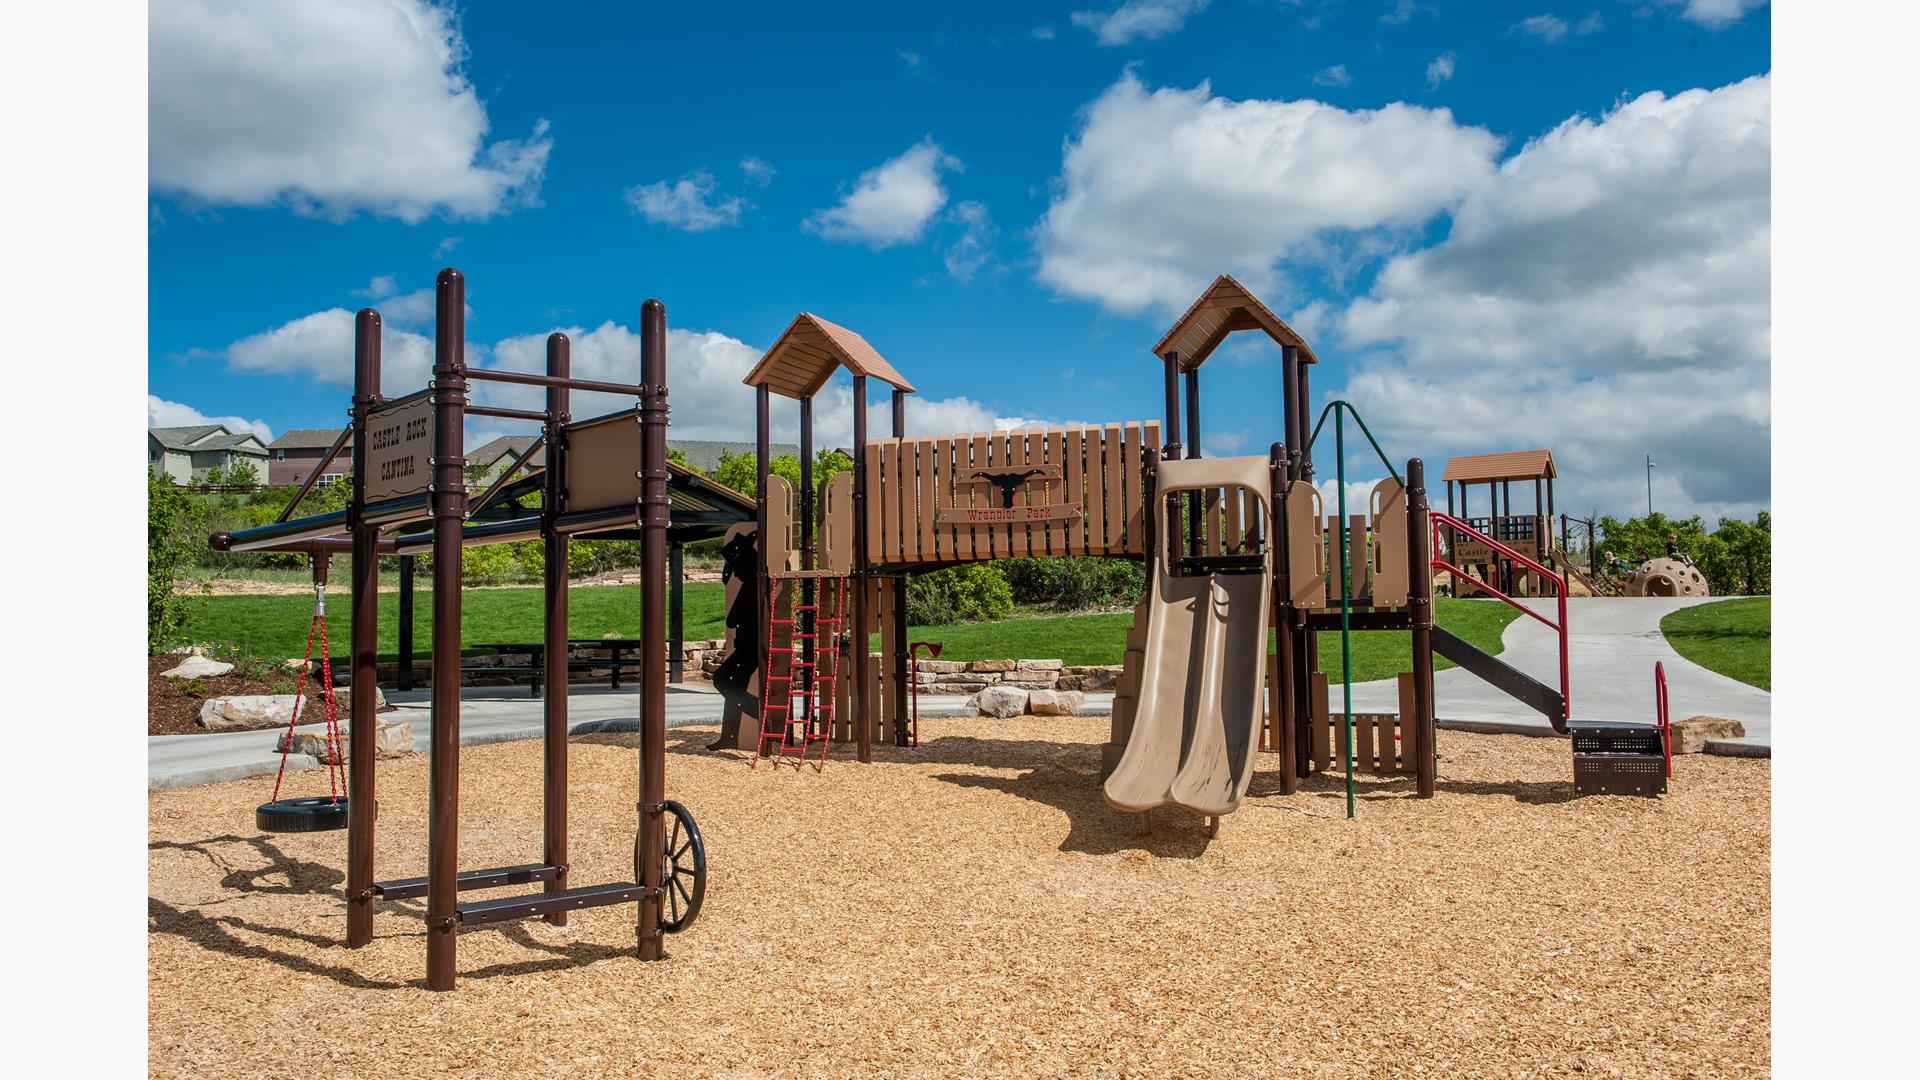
pixel 1006 515
pixel 603 462
pixel 400 448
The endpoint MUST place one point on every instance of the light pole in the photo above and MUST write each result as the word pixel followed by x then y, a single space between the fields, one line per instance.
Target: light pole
pixel 1649 485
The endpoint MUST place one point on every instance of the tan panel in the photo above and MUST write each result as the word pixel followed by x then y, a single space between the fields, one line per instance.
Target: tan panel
pixel 782 555
pixel 1230 530
pixel 603 463
pixel 1357 554
pixel 1075 468
pixel 927 452
pixel 1216 523
pixel 1113 539
pixel 836 524
pixel 903 533
pixel 983 547
pixel 1053 451
pixel 873 503
pixel 1409 720
pixel 889 598
pixel 1322 720
pixel 942 480
pixel 1390 567
pixel 1019 456
pixel 1270 729
pixel 1363 726
pixel 1131 481
pixel 876 702
pixel 1306 553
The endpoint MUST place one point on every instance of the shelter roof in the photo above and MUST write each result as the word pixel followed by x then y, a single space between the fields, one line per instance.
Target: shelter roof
pixel 1507 465
pixel 1226 307
pixel 808 353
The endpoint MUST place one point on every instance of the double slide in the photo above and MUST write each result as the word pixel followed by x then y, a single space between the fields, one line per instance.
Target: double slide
pixel 1198 707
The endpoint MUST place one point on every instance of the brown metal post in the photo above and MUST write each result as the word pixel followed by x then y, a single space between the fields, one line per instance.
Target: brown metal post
pixel 748 738
pixel 554 747
pixel 405 630
pixel 1170 451
pixel 1290 407
pixel 807 676
pixel 1420 605
pixel 863 703
pixel 1196 536
pixel 654 519
pixel 1309 645
pixel 449 493
pixel 363 641
pixel 1285 739
pixel 897 674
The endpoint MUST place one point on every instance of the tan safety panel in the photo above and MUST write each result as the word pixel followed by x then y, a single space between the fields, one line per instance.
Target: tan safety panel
pixel 1306 547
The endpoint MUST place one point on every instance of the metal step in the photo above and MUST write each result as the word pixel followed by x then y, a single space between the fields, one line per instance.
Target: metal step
pixel 528 907
pixel 1515 683
pixel 406 888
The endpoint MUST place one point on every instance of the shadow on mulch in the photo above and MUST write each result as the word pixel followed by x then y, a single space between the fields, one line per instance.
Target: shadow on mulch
pixel 216 933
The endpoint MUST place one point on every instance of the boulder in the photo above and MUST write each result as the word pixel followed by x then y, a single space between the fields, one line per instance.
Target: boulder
pixel 1037 665
pixel 245 712
pixel 344 694
pixel 1031 680
pixel 1000 701
pixel 1056 702
pixel 198 666
pixel 391 739
pixel 1093 676
pixel 954 688
pixel 1690 735
pixel 942 667
pixel 990 665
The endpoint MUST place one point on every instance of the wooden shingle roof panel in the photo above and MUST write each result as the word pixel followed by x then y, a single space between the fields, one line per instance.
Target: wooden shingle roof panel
pixel 810 350
pixel 1507 465
pixel 1226 307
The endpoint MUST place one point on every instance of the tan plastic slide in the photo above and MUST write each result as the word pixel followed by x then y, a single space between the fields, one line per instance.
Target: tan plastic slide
pixel 1197 719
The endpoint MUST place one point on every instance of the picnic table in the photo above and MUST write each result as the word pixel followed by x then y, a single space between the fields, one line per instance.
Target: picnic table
pixel 537 652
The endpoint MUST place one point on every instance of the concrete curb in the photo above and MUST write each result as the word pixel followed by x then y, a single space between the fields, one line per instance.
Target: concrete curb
pixel 1721 747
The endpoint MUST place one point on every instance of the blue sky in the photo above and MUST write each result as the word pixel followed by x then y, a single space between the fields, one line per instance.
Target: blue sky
pixel 1501 225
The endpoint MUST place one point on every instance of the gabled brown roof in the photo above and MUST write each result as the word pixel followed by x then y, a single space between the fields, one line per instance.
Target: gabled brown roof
pixel 1510 465
pixel 1224 308
pixel 810 351
pixel 308 439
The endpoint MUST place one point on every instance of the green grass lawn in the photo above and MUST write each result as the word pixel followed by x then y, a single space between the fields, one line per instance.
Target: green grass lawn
pixel 1732 637
pixel 271 627
pixel 1101 639
pixel 276 626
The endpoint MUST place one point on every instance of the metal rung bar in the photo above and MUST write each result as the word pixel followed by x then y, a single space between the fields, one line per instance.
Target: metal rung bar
pixel 407 888
pixel 527 907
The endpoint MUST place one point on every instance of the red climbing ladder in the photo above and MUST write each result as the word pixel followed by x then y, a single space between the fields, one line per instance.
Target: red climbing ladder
pixel 792 730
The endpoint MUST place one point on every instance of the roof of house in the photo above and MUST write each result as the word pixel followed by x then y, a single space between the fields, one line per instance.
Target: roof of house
pixel 1226 307
pixel 810 350
pixel 489 453
pixel 308 439
pixel 181 438
pixel 1508 465
pixel 206 437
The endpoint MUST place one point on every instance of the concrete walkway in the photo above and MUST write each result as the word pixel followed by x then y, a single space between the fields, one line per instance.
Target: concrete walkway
pixel 1614 645
pixel 487 714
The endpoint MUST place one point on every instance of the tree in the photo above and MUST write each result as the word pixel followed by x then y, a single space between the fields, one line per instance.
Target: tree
pixel 679 457
pixel 740 472
pixel 1736 558
pixel 243 473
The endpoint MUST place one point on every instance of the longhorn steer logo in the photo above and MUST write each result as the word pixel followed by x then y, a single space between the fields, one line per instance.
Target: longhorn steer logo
pixel 1007 482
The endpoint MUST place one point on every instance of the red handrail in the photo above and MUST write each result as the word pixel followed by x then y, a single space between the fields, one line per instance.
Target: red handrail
pixel 1437 519
pixel 1661 715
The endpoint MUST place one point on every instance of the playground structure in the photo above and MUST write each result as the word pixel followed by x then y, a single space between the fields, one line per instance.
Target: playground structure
pixel 1667 577
pixel 604 477
pixel 1234 546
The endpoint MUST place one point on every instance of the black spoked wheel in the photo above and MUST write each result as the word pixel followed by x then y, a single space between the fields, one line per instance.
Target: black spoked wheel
pixel 683 870
pixel 318 814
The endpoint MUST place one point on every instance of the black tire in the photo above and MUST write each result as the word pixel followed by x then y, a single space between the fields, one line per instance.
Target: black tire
pixel 683 874
pixel 322 813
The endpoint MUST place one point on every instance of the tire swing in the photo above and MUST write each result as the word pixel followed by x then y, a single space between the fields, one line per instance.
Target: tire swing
pixel 683 871
pixel 317 813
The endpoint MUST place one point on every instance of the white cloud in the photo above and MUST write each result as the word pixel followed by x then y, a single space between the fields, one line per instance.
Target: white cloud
pixel 974 248
pixel 688 205
pixel 1162 190
pixel 1138 20
pixel 445 247
pixel 1333 76
pixel 379 287
pixel 1548 28
pixel 1592 24
pixel 1399 11
pixel 320 347
pixel 1042 33
pixel 328 108
pixel 890 203
pixel 164 413
pixel 1440 70
pixel 1607 295
pixel 1714 14
pixel 757 170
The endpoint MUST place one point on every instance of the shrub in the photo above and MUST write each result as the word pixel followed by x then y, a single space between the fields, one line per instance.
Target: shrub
pixel 970 593
pixel 173 537
pixel 1075 582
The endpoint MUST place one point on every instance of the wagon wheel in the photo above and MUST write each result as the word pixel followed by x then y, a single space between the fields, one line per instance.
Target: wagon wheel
pixel 683 870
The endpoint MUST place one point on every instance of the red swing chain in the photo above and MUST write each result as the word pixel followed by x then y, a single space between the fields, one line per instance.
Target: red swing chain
pixel 329 708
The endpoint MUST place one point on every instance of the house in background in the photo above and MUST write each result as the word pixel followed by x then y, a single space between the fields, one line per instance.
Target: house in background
pixel 704 454
pixel 295 453
pixel 490 459
pixel 184 454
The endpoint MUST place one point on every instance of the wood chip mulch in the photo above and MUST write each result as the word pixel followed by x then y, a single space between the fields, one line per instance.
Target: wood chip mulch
pixel 973 908
pixel 173 705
